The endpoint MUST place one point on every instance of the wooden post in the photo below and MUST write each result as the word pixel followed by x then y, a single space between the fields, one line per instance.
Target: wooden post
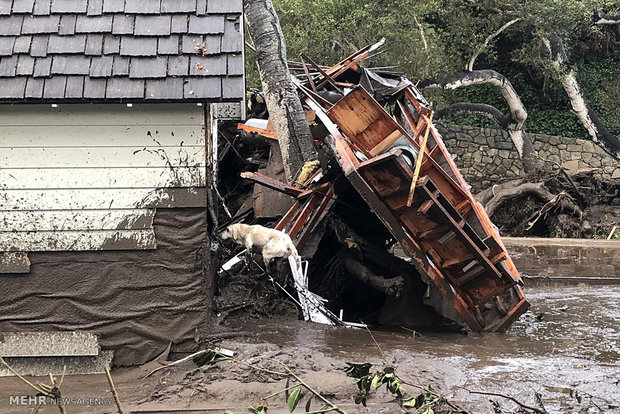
pixel 418 164
pixel 210 256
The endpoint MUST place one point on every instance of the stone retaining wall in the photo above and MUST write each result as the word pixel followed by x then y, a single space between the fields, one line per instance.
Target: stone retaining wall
pixel 486 155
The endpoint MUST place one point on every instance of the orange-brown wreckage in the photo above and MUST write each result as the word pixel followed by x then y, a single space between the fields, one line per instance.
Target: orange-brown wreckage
pixel 386 198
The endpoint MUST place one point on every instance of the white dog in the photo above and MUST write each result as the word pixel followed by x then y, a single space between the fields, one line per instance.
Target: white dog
pixel 273 243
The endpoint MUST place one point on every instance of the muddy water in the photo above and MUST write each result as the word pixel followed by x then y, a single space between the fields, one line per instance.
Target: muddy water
pixel 570 340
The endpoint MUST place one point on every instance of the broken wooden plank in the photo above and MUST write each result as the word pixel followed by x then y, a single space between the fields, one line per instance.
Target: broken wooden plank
pixel 365 122
pixel 418 165
pixel 326 76
pixel 260 131
pixel 272 183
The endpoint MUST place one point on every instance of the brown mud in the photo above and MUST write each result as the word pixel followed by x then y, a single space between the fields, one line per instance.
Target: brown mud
pixel 567 349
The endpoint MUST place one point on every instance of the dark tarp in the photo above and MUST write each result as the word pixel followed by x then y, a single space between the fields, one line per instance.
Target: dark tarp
pixel 136 301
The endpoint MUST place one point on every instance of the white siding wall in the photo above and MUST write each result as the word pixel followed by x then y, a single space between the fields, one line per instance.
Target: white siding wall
pixel 88 177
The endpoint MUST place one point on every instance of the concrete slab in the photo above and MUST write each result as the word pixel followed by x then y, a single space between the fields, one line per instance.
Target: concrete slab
pixel 41 366
pixel 48 344
pixel 569 260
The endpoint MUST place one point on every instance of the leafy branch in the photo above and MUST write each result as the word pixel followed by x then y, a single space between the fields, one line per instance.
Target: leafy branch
pixel 368 382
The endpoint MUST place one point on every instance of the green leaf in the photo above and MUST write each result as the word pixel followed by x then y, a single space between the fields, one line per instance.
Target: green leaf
pixel 429 410
pixel 293 400
pixel 261 408
pixel 409 403
pixel 395 388
pixel 228 412
pixel 420 400
pixel 376 381
pixel 360 399
pixel 357 370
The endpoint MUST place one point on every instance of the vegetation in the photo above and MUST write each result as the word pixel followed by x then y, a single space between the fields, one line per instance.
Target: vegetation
pixel 427 39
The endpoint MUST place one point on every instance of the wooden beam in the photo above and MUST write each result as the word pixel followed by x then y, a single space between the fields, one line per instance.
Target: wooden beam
pixel 260 131
pixel 272 183
pixel 323 73
pixel 418 164
pixel 307 72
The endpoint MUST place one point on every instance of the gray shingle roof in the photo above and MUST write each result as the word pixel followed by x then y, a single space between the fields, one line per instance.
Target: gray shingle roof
pixel 121 49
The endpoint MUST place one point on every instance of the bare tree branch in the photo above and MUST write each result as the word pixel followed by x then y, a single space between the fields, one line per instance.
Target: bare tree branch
pixel 481 77
pixel 511 398
pixel 517 109
pixel 424 42
pixel 604 19
pixel 470 65
pixel 466 108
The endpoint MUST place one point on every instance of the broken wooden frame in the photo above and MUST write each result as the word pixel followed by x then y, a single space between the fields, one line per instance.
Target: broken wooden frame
pixel 442 229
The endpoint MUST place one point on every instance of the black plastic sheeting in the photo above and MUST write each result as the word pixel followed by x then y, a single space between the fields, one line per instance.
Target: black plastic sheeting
pixel 137 302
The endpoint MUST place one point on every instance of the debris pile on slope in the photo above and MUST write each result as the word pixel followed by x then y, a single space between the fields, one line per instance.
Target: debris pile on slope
pixel 387 223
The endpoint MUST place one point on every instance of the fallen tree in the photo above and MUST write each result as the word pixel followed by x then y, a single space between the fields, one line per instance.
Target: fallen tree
pixel 391 286
pixel 597 131
pixel 494 197
pixel 605 19
pixel 512 123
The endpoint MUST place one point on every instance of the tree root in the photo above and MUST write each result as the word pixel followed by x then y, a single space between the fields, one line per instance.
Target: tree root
pixel 509 191
pixel 391 286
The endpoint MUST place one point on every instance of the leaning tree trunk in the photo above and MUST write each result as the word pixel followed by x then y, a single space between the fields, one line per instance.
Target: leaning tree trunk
pixel 513 124
pixel 285 109
pixel 604 19
pixel 586 115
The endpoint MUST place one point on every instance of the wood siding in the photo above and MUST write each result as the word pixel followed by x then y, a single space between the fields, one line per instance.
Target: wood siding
pixel 88 177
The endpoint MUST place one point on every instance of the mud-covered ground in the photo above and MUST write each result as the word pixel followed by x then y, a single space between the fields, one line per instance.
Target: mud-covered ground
pixel 567 349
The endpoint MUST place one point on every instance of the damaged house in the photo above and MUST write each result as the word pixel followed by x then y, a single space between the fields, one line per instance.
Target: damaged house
pixel 105 108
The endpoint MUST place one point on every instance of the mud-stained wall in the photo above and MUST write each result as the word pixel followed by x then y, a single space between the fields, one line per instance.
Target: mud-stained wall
pixel 486 155
pixel 88 177
pixel 137 302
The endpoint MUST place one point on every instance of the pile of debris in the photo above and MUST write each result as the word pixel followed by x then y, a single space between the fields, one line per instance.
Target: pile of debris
pixel 391 232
